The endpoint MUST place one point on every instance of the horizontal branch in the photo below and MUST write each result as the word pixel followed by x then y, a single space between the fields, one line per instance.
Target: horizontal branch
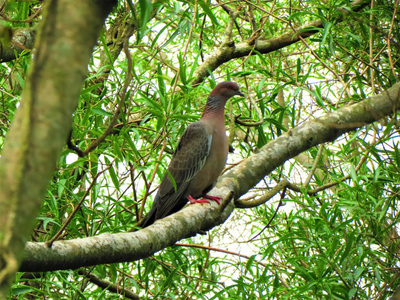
pixel 122 247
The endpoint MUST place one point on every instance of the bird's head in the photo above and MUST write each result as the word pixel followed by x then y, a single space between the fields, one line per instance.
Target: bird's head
pixel 226 89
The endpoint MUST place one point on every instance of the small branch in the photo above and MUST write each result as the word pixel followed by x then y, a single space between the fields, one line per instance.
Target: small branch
pixel 107 285
pixel 135 200
pixel 192 25
pixel 228 31
pixel 371 47
pixel 173 268
pixel 247 124
pixel 225 201
pixel 21 39
pixel 73 147
pixel 302 262
pixel 390 38
pixel 314 167
pixel 219 250
pixel 272 218
pixel 201 38
pixel 229 11
pixel 153 175
pixel 331 184
pixel 257 202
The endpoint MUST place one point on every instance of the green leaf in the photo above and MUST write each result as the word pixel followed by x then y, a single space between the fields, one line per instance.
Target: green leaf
pixel 101 112
pixel 352 293
pixel 61 186
pixel 112 173
pixel 160 80
pixel 146 7
pixel 21 290
pixel 182 69
pixel 262 139
pixel 358 272
pixel 209 13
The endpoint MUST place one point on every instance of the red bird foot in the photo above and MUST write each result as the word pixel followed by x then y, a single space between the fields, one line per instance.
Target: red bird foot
pixel 205 199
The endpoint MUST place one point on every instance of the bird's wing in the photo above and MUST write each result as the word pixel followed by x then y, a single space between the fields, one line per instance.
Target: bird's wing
pixel 189 158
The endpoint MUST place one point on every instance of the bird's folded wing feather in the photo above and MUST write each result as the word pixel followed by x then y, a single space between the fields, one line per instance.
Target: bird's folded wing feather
pixel 189 158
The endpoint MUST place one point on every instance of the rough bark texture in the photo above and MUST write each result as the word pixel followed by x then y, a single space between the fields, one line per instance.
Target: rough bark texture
pixel 109 248
pixel 121 247
pixel 67 35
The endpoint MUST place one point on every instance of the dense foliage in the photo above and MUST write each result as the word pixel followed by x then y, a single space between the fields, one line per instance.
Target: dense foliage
pixel 333 235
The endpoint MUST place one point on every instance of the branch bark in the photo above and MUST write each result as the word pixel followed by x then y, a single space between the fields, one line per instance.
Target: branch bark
pixel 67 35
pixel 121 247
pixel 21 39
pixel 107 285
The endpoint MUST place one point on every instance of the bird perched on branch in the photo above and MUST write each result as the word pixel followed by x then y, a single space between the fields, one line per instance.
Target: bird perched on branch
pixel 198 159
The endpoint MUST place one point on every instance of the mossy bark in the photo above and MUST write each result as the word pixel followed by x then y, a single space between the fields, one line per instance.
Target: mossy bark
pixel 64 45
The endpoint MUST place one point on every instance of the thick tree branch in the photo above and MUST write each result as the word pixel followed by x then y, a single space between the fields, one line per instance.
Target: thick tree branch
pixel 64 45
pixel 109 248
pixel 231 51
pixel 122 247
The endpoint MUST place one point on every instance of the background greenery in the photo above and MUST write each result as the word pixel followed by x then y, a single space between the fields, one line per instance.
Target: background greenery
pixel 334 237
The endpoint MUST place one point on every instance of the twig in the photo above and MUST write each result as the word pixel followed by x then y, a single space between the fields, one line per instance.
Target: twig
pixel 218 250
pixel 229 11
pixel 273 217
pixel 247 124
pixel 29 20
pixel 121 103
pixel 132 176
pixel 56 236
pixel 175 269
pixel 201 38
pixel 257 202
pixel 187 44
pixel 331 184
pixel 107 285
pixel 371 47
pixel 226 201
pixel 314 167
pixel 389 39
pixel 267 12
pixel 73 147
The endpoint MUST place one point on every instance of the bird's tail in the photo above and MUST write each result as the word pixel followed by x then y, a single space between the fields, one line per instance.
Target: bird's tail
pixel 149 219
pixel 151 216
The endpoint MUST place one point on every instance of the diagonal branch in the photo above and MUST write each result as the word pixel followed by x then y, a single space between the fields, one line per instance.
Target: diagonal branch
pixel 107 285
pixel 229 51
pixel 122 247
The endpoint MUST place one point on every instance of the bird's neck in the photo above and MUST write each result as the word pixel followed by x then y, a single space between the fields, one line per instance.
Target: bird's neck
pixel 214 108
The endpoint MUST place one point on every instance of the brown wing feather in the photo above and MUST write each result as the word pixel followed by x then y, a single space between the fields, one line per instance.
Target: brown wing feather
pixel 189 158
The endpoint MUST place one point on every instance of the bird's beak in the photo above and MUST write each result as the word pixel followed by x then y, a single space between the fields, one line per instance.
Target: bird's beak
pixel 239 94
